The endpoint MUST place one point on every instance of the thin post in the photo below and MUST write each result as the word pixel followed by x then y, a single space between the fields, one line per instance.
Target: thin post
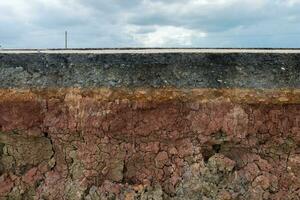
pixel 66 39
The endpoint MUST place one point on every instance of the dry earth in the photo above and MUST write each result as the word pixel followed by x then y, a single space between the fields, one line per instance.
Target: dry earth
pixel 149 144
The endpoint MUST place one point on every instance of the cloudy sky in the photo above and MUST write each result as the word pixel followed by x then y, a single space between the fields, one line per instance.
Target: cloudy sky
pixel 149 23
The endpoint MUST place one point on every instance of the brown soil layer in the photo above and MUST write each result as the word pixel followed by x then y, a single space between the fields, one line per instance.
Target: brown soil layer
pixel 149 144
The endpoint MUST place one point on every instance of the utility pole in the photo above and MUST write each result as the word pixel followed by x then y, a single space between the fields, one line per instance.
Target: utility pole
pixel 66 39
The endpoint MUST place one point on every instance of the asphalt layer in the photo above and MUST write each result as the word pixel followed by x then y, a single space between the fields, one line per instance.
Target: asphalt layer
pixel 151 68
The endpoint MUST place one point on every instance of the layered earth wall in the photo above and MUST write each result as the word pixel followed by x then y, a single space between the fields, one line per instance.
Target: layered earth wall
pixel 150 124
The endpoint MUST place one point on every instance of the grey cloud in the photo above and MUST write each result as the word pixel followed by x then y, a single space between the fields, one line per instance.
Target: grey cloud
pixel 208 18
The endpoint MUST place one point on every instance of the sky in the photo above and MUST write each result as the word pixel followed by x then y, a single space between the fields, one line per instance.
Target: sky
pixel 150 23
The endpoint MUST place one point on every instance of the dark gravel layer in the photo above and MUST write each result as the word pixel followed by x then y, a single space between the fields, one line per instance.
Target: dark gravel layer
pixel 157 70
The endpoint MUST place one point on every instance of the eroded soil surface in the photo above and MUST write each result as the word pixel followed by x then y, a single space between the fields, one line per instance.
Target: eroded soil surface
pixel 159 144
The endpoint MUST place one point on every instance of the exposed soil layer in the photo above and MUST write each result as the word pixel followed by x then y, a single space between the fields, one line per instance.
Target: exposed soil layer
pixel 149 144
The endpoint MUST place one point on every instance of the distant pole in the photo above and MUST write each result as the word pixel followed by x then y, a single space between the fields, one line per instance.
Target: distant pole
pixel 66 39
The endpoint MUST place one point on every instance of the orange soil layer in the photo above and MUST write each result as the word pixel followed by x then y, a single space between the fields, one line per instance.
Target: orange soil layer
pixel 159 143
pixel 248 96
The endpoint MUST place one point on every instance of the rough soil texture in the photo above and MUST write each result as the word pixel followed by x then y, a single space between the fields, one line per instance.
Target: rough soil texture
pixel 150 124
pixel 150 70
pixel 149 144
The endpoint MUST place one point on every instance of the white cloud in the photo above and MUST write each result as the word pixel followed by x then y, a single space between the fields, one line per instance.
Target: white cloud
pixel 163 36
pixel 292 2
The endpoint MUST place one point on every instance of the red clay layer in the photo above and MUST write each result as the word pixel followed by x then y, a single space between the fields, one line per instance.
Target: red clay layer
pixel 169 144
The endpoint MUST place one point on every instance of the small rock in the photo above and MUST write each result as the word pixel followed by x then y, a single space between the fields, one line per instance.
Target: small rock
pixel 161 159
pixel 261 181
